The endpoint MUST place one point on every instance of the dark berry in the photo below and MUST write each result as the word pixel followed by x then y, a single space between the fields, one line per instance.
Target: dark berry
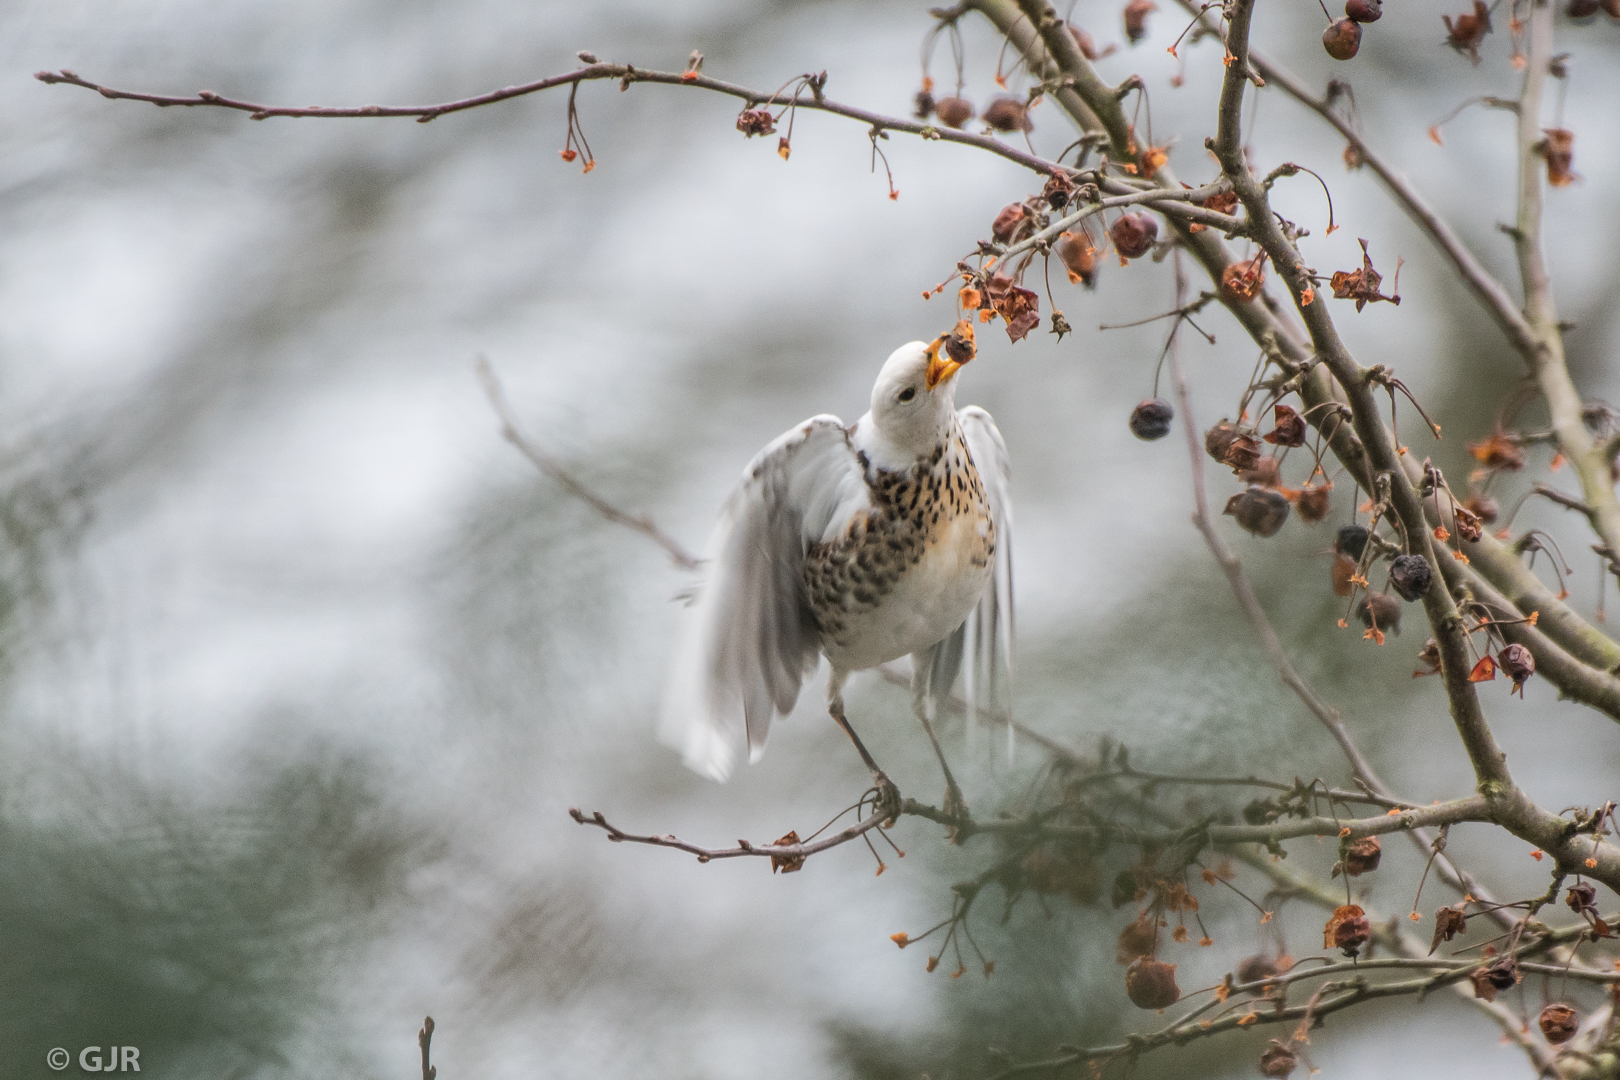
pixel 1278 1061
pixel 1518 664
pixel 1007 114
pixel 1363 856
pixel 1259 510
pixel 1352 541
pixel 1582 9
pixel 1558 1023
pixel 1133 235
pixel 1152 985
pixel 1364 11
pixel 953 112
pixel 1151 419
pixel 1409 575
pixel 1342 40
pixel 1380 611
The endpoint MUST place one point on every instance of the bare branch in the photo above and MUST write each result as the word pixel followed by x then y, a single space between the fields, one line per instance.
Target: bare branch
pixel 554 469
pixel 778 852
pixel 625 73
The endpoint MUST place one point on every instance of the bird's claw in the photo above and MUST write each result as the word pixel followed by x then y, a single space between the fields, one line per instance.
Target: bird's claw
pixel 885 798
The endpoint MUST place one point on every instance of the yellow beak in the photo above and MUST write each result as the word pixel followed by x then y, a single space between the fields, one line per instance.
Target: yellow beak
pixel 940 368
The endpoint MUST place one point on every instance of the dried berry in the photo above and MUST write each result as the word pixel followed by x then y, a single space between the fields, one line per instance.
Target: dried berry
pixel 1136 13
pixel 1469 30
pixel 1020 308
pixel 1058 191
pixel 753 122
pixel 1559 150
pixel 1348 929
pixel 1558 1023
pixel 1362 285
pixel 1582 897
pixel 1139 939
pixel 1229 446
pixel 1518 664
pixel 1342 40
pixel 923 104
pixel 1289 429
pixel 1379 612
pixel 959 344
pixel 1503 974
pixel 1008 114
pixel 953 112
pixel 1254 968
pixel 1363 856
pixel 1278 1060
pixel 1410 576
pixel 1364 11
pixel 1152 985
pixel 1259 510
pixel 1126 888
pixel 1448 923
pixel 1429 656
pixel 1133 235
pixel 1351 541
pixel 1468 524
pixel 1218 438
pixel 1263 472
pixel 1242 280
pixel 1151 419
pixel 1079 257
pixel 1313 503
pixel 1344 568
pixel 1012 224
pixel 1582 9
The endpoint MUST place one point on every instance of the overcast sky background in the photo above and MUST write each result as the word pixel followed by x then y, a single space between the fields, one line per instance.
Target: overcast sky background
pixel 303 665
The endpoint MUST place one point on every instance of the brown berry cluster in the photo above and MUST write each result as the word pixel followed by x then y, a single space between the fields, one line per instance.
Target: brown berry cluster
pixel 1342 38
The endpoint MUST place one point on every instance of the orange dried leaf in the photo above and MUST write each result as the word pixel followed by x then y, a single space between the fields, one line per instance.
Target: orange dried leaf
pixel 1484 671
pixel 900 939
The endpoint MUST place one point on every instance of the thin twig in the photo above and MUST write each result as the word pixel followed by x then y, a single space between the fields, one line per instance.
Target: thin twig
pixel 552 468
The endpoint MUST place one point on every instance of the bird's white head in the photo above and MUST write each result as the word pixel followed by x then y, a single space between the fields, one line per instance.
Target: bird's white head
pixel 914 400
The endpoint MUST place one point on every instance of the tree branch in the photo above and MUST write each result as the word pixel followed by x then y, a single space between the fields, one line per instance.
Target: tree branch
pixel 625 73
pixel 554 469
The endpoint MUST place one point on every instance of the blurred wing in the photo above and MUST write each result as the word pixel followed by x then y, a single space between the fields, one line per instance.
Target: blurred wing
pixel 984 651
pixel 749 641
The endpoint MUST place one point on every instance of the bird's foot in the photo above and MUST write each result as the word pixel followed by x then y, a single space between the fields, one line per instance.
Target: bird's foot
pixel 885 798
pixel 956 807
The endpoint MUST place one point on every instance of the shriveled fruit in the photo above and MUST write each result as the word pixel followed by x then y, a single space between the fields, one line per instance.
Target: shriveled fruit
pixel 1134 234
pixel 1152 985
pixel 953 112
pixel 1342 40
pixel 1151 419
pixel 1259 510
pixel 1410 576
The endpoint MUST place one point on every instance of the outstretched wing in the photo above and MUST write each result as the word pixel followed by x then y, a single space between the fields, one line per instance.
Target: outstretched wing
pixel 981 648
pixel 749 641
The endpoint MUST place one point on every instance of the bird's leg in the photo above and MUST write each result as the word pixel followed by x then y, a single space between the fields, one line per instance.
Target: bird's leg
pixel 888 796
pixel 956 806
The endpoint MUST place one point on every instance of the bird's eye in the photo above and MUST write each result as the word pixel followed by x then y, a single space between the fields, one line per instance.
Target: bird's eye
pixel 908 393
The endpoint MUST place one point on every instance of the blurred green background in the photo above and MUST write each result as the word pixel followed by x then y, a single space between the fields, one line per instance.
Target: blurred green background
pixel 303 666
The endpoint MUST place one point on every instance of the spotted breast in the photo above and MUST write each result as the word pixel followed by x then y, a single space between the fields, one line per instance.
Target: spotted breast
pixel 903 575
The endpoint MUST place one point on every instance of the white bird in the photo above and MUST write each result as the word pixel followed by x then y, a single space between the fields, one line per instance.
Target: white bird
pixel 861 544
